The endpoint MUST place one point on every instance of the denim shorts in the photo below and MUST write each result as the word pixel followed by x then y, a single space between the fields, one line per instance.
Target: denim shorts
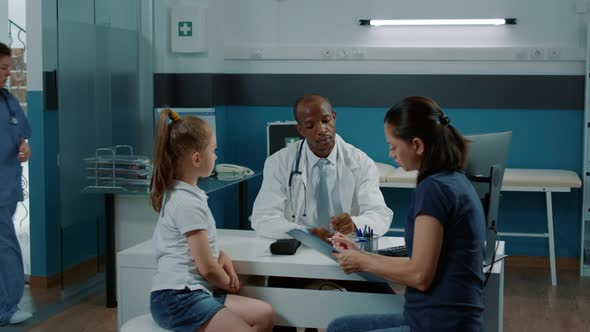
pixel 184 310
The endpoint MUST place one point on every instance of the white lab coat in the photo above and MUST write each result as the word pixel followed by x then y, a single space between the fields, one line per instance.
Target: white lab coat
pixel 278 209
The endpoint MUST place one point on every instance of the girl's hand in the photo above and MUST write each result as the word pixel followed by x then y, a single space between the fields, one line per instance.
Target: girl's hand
pixel 234 281
pixel 235 289
pixel 343 242
pixel 352 260
pixel 228 267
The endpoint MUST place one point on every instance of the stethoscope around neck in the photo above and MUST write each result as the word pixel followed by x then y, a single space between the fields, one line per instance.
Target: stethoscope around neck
pixel 295 171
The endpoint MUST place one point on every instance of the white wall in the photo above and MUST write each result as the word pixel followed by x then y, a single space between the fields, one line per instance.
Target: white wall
pixel 305 26
pixel 4 21
pixel 168 62
pixel 34 13
pixel 335 22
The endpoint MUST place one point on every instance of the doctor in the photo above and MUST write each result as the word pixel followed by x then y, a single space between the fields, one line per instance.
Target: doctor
pixel 321 183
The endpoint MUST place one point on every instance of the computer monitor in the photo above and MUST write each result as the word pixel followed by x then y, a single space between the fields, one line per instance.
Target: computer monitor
pixel 486 150
pixel 280 134
pixel 485 168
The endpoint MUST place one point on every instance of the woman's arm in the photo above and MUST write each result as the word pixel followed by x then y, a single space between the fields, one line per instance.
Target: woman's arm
pixel 417 272
pixel 207 266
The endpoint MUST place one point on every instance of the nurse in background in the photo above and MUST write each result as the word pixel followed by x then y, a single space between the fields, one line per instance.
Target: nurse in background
pixel 14 150
pixel 444 231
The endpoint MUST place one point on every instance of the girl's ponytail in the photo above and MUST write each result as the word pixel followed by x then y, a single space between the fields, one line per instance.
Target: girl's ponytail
pixel 163 170
pixel 184 134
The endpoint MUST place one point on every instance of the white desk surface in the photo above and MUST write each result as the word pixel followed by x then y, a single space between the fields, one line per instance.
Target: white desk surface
pixel 251 256
pixel 294 307
pixel 515 179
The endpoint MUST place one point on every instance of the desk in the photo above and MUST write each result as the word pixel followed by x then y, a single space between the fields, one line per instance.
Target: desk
pixel 523 180
pixel 136 219
pixel 294 307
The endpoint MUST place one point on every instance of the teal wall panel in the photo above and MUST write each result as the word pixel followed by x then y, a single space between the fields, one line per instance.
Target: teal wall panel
pixel 44 199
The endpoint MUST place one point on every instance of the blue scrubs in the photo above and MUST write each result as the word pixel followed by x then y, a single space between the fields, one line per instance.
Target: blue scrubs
pixel 14 127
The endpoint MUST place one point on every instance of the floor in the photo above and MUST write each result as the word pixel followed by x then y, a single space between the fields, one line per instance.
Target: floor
pixel 88 316
pixel 530 304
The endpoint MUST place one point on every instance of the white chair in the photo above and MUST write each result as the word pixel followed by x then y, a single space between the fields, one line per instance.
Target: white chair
pixel 143 323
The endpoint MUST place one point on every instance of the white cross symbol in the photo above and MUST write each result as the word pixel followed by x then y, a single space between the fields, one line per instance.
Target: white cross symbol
pixel 185 29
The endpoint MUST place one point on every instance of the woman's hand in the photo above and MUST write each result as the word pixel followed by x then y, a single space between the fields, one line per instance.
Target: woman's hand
pixel 352 260
pixel 343 242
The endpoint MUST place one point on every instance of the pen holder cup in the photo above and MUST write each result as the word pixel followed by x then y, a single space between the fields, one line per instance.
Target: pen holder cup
pixel 368 244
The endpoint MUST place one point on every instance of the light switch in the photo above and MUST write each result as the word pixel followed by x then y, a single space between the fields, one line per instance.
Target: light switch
pixel 188 29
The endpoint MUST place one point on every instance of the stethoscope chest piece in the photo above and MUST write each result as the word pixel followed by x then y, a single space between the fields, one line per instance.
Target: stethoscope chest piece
pixel 13 120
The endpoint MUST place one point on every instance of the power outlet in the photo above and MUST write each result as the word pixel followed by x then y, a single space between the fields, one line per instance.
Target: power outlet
pixel 256 53
pixel 521 55
pixel 553 54
pixel 537 54
pixel 342 53
pixel 358 53
pixel 326 53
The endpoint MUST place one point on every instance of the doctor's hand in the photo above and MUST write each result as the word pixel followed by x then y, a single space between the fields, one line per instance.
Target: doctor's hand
pixel 352 260
pixel 24 151
pixel 343 242
pixel 342 223
pixel 322 233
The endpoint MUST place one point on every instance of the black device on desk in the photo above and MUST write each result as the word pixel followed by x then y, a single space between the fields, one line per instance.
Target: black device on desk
pixel 398 251
pixel 284 247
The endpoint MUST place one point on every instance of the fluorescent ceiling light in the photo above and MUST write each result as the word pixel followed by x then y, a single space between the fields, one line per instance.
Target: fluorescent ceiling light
pixel 490 21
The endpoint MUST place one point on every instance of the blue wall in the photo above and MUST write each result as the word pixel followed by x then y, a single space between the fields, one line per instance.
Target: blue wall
pixel 44 200
pixel 541 139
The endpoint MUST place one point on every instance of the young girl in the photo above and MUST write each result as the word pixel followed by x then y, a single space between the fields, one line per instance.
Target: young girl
pixel 444 232
pixel 193 276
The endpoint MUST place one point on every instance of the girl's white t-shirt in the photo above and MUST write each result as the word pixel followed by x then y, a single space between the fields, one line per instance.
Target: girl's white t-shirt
pixel 184 209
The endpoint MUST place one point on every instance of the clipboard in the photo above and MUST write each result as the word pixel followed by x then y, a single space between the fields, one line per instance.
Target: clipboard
pixel 327 250
pixel 313 242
